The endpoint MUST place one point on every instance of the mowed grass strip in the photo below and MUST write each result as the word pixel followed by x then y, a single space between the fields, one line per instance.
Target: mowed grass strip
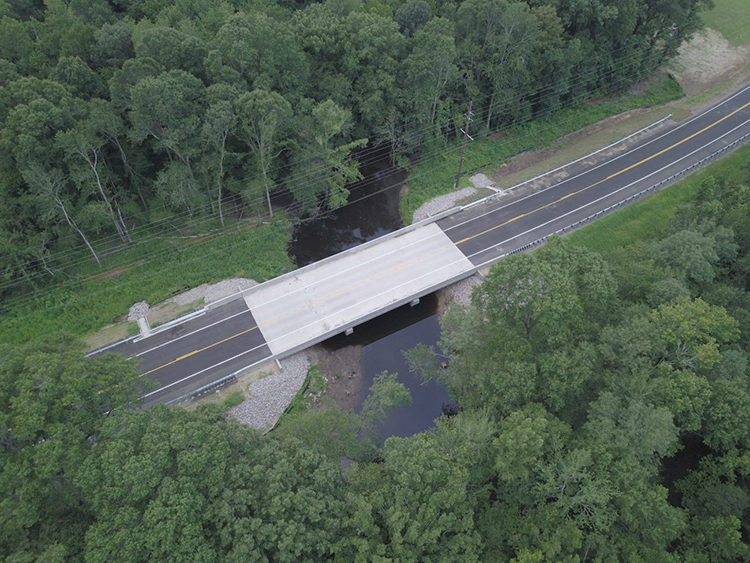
pixel 731 18
pixel 437 176
pixel 84 307
pixel 648 219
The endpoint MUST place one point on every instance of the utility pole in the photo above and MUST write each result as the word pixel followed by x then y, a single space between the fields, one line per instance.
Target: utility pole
pixel 465 131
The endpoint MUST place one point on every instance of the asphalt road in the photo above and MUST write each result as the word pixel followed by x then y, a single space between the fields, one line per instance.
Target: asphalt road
pixel 197 352
pixel 228 338
pixel 485 233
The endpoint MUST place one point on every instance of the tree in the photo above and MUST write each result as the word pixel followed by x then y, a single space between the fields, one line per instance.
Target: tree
pixel 688 253
pixel 320 151
pixel 413 506
pixel 266 120
pixel 174 485
pixel 498 42
pixel 168 109
pixel 412 16
pixel 693 331
pixel 77 75
pixel 220 122
pixel 429 68
pixel 54 404
pixel 49 186
pixel 385 395
pixel 264 53
pixel 85 145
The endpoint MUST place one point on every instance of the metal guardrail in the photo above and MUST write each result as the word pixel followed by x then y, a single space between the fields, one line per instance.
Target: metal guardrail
pixel 572 162
pixel 713 156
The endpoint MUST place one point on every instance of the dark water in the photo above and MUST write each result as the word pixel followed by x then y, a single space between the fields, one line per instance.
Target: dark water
pixel 372 212
pixel 384 339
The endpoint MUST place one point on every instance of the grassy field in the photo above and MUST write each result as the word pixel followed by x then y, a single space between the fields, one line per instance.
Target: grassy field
pixel 83 306
pixel 648 219
pixel 436 176
pixel 731 18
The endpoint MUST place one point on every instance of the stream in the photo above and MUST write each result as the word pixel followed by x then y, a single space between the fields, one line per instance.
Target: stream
pixel 374 212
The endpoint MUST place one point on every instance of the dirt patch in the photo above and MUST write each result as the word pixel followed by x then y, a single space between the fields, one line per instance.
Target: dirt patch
pixel 169 310
pixel 528 159
pixel 708 60
pixel 108 335
pixel 343 368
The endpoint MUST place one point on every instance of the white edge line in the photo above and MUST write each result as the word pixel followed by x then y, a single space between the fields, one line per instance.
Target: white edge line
pixel 267 343
pixel 639 147
pixel 685 123
pixel 194 332
pixel 412 226
pixel 160 389
pixel 605 196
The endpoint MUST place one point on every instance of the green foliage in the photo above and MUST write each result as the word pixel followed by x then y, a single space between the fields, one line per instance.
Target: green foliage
pixel 133 131
pixel 438 176
pixel 233 399
pixel 254 253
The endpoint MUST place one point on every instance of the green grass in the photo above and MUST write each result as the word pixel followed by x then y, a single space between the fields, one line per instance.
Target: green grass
pixel 84 307
pixel 233 399
pixel 731 18
pixel 436 176
pixel 648 219
pixel 133 328
pixel 314 384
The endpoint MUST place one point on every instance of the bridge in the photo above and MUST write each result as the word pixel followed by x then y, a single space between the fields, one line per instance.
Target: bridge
pixel 292 312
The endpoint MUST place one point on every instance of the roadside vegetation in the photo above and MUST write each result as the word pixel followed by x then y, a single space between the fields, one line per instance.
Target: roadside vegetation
pixel 123 123
pixel 730 17
pixel 83 306
pixel 604 415
pixel 437 176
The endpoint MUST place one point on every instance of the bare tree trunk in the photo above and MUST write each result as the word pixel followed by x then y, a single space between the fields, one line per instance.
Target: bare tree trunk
pixel 73 224
pixel 131 172
pixel 268 199
pixel 43 258
pixel 93 165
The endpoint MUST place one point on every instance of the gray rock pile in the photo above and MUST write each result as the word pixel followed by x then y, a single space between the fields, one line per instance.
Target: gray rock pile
pixel 271 395
pixel 138 311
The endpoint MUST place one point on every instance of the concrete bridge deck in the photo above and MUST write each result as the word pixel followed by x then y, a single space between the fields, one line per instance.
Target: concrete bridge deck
pixel 299 309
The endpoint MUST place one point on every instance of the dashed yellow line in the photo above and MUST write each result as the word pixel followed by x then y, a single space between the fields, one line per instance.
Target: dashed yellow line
pixel 194 352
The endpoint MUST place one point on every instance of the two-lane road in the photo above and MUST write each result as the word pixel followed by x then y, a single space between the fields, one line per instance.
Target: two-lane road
pixel 299 309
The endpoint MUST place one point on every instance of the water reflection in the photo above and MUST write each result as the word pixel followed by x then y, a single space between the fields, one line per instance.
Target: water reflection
pixel 373 213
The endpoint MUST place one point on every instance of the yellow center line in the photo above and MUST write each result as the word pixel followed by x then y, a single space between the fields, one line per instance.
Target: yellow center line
pixel 639 163
pixel 404 264
pixel 200 350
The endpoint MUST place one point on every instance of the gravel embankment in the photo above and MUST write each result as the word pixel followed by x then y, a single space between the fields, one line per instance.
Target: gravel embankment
pixel 460 292
pixel 214 292
pixel 271 395
pixel 481 181
pixel 138 311
pixel 440 204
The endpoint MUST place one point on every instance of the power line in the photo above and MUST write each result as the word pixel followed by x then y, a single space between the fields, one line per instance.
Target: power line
pixel 22 301
pixel 413 135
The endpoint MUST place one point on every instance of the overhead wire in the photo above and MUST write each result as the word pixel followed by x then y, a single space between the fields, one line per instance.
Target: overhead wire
pixel 29 298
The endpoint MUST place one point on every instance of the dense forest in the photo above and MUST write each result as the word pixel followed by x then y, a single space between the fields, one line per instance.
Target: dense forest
pixel 604 417
pixel 118 114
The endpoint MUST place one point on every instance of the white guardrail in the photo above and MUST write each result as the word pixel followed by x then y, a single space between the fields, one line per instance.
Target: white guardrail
pixel 713 156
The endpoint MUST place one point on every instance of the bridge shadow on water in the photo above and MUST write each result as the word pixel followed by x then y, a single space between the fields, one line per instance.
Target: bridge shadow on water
pixel 384 340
